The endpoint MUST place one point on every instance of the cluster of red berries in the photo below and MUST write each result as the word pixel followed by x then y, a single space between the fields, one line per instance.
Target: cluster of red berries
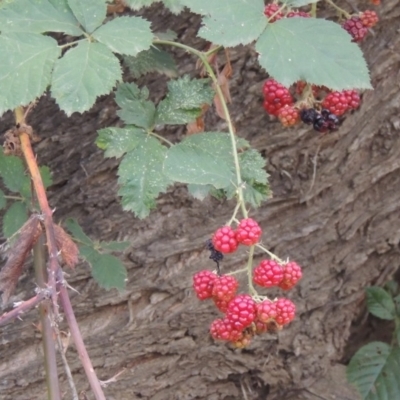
pixel 280 102
pixel 245 317
pixel 273 13
pixel 358 25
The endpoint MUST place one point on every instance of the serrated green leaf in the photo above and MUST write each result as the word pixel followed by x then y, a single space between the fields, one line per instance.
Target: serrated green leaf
pixel 199 6
pixel 38 16
pixel 118 141
pixel 204 159
pixel 114 246
pixel 125 35
pixel 169 35
pixel 199 192
pixel 85 72
pixel 77 232
pixel 3 200
pixel 298 3
pixel 27 60
pixel 233 22
pixel 380 303
pixel 392 287
pixel 255 193
pixel 90 13
pixel 152 60
pixel 107 270
pixel 141 177
pixel 314 50
pixel 184 100
pixel 252 166
pixel 14 218
pixel 12 171
pixel 175 6
pixel 46 176
pixel 135 108
pixel 374 370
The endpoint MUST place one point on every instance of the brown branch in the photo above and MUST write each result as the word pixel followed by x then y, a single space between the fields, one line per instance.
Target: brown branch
pixel 22 308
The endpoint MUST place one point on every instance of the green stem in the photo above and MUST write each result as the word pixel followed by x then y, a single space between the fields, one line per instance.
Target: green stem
pixel 14 198
pixel 314 10
pixel 233 218
pixel 224 105
pixel 249 268
pixel 160 138
pixel 272 255
pixel 212 51
pixel 39 262
pixel 238 271
pixel 63 46
pixel 338 9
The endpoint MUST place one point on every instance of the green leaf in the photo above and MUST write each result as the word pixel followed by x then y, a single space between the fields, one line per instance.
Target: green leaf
pixel 107 270
pixel 298 3
pixel 374 370
pixel 184 100
pixel 38 16
pixel 199 192
pixel 118 141
pixel 392 287
pixel 152 60
pixel 233 22
pixel 114 246
pixel 380 303
pixel 77 232
pixel 175 6
pixel 85 72
pixel 12 171
pixel 135 108
pixel 14 218
pixel 396 301
pixel 141 177
pixel 125 35
pixel 27 60
pixel 312 50
pixel 3 200
pixel 46 176
pixel 90 13
pixel 203 159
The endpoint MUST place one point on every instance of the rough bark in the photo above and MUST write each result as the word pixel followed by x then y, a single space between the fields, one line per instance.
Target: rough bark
pixel 335 211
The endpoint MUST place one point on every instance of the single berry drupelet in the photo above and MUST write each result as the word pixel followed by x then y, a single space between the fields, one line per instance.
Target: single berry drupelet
pixel 268 273
pixel 224 240
pixel 276 96
pixel 266 311
pixel 225 287
pixel 241 311
pixel 289 116
pixel 270 10
pixel 285 311
pixel 248 232
pixel 291 275
pixel 369 18
pixel 355 28
pixel 203 283
pixel 336 102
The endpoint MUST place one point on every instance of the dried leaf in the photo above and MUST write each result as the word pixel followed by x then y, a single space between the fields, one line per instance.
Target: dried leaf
pixel 197 125
pixel 117 7
pixel 67 247
pixel 223 83
pixel 10 273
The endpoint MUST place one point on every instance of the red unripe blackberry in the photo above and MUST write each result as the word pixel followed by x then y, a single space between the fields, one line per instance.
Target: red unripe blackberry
pixel 376 2
pixel 302 14
pixel 275 96
pixel 224 240
pixel 356 28
pixel 369 18
pixel 248 232
pixel 203 282
pixel 266 311
pixel 241 311
pixel 353 98
pixel 285 311
pixel 336 103
pixel 225 288
pixel 243 342
pixel 291 275
pixel 259 327
pixel 268 273
pixel 289 116
pixel 270 10
pixel 222 329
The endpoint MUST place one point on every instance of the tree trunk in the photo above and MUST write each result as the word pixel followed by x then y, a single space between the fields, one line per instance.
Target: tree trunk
pixel 335 211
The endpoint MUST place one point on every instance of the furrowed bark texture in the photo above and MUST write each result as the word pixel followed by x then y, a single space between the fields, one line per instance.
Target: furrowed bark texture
pixel 342 226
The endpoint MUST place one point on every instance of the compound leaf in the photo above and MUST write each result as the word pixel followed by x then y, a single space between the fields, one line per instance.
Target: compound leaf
pixel 203 159
pixel 107 270
pixel 27 60
pixel 77 232
pixel 90 13
pixel 380 303
pixel 374 370
pixel 184 100
pixel 118 141
pixel 232 22
pixel 12 171
pixel 141 176
pixel 312 50
pixel 3 200
pixel 125 35
pixel 135 108
pixel 152 60
pixel 85 72
pixel 14 218
pixel 38 16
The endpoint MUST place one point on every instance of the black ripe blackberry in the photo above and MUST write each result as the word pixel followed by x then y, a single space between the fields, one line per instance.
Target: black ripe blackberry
pixel 215 255
pixel 308 115
pixel 320 124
